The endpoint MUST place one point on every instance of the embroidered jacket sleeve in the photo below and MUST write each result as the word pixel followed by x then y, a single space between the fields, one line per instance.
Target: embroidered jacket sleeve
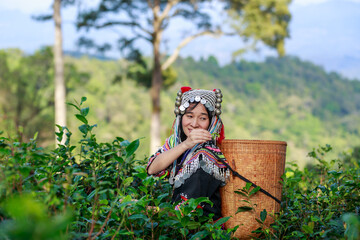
pixel 168 144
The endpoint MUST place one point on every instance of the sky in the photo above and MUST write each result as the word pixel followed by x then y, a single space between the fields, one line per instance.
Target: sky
pixel 325 32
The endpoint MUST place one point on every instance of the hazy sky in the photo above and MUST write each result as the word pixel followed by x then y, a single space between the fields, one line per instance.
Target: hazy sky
pixel 325 32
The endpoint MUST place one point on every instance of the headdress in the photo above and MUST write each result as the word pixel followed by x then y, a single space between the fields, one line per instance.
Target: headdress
pixel 210 99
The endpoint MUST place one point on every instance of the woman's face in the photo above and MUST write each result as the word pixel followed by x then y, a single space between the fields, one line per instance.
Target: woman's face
pixel 195 118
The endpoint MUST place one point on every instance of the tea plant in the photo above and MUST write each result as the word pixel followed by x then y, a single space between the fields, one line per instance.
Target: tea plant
pixel 321 202
pixel 100 190
pixel 102 186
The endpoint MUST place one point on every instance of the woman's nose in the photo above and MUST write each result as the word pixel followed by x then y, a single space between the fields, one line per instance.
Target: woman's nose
pixel 194 123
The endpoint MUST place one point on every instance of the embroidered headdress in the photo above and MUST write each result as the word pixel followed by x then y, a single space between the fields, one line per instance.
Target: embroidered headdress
pixel 210 99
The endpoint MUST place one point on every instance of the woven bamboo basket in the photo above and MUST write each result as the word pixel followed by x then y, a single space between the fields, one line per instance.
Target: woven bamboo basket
pixel 261 162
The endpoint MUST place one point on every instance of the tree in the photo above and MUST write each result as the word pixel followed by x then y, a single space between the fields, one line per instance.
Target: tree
pixel 26 90
pixel 256 20
pixel 60 88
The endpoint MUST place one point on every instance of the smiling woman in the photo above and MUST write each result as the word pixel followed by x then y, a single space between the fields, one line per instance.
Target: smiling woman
pixel 190 157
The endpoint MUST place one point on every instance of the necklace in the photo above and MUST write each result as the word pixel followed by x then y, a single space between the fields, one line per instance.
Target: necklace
pixel 172 174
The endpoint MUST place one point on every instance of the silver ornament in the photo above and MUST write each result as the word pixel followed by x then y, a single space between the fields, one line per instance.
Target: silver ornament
pixel 179 93
pixel 203 101
pixel 177 111
pixel 178 99
pixel 197 98
pixel 218 105
pixel 218 100
pixel 182 108
pixel 219 95
pixel 186 105
pixel 217 91
pixel 217 112
pixel 177 103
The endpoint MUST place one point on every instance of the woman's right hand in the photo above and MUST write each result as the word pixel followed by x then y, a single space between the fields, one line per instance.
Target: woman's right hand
pixel 164 160
pixel 197 136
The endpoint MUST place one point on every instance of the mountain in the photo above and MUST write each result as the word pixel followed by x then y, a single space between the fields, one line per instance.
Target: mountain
pixel 282 99
pixel 285 99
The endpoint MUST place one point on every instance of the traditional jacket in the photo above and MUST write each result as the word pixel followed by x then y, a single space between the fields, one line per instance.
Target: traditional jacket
pixel 198 172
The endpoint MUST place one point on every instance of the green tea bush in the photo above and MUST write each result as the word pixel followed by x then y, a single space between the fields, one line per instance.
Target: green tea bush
pixel 96 190
pixel 320 202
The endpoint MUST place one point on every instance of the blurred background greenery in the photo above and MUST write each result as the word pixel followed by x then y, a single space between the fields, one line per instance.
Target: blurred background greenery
pixel 280 99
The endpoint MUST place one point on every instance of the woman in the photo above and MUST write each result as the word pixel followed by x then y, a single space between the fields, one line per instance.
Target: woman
pixel 190 156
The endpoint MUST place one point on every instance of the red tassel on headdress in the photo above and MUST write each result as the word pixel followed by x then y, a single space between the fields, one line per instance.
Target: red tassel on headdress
pixel 222 135
pixel 185 89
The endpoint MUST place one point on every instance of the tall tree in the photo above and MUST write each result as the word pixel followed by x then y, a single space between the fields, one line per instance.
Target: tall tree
pixel 257 20
pixel 59 79
pixel 60 89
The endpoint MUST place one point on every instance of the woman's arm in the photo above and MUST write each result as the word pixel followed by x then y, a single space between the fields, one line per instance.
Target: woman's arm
pixel 164 160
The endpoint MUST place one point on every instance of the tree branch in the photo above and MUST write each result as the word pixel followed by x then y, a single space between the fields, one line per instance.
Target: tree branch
pixel 184 42
pixel 125 23
pixel 167 9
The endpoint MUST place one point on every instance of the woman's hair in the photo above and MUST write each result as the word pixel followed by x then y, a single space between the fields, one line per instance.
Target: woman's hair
pixel 191 107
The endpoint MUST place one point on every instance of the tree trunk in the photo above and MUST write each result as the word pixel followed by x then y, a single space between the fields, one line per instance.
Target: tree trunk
pixel 156 84
pixel 60 91
pixel 155 100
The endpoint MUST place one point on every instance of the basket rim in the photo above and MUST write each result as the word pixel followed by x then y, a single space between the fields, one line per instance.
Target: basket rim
pixel 254 141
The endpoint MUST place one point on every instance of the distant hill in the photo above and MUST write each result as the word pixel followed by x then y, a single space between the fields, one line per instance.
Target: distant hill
pixel 77 54
pixel 279 99
pixel 282 99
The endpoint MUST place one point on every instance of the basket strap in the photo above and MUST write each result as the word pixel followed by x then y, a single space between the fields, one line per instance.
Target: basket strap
pixel 247 180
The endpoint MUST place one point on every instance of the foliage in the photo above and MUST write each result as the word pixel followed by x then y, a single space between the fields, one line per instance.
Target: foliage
pixel 100 190
pixel 27 88
pixel 90 190
pixel 279 99
pixel 255 21
pixel 29 220
pixel 142 74
pixel 321 201
pixel 265 21
pixel 149 20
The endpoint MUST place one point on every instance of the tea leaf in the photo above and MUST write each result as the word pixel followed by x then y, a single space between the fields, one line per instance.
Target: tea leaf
pixel 244 209
pixel 133 146
pixel 81 118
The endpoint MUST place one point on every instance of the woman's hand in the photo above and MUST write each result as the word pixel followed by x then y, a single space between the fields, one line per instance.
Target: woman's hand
pixel 197 136
pixel 164 160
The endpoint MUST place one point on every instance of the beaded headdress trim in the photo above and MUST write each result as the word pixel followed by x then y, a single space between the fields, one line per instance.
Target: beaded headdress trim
pixel 210 99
